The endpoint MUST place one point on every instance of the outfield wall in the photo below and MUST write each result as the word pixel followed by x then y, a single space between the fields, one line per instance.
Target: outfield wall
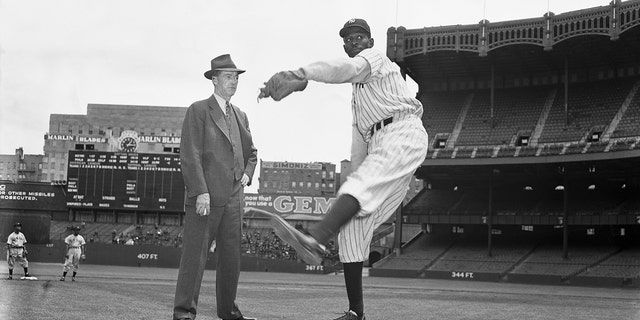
pixel 158 256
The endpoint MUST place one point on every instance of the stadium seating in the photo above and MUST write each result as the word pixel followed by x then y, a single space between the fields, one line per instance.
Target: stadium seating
pixel 468 257
pixel 437 202
pixel 624 264
pixel 590 104
pixel 507 151
pixel 416 256
pixel 515 109
pixel 549 260
pixel 628 126
pixel 592 107
pixel 441 111
pixel 471 202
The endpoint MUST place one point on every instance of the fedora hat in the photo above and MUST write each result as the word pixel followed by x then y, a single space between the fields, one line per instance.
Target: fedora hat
pixel 222 63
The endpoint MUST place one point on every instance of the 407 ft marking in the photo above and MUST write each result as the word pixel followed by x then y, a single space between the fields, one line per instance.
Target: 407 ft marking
pixel 148 256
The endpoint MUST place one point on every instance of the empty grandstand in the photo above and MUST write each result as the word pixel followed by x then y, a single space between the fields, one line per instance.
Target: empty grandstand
pixel 533 171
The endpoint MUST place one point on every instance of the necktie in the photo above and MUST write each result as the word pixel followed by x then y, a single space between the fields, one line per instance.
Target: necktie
pixel 228 115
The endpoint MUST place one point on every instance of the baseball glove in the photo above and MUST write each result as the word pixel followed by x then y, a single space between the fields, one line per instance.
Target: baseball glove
pixel 82 257
pixel 283 84
pixel 24 253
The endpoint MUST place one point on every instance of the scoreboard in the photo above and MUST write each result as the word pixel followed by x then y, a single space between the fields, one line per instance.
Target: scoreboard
pixel 124 181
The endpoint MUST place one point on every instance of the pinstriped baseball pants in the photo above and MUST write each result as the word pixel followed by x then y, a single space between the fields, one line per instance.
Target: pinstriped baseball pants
pixel 380 183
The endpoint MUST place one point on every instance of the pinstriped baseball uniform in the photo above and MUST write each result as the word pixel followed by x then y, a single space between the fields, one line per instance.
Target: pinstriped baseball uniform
pixel 74 245
pixel 383 163
pixel 15 252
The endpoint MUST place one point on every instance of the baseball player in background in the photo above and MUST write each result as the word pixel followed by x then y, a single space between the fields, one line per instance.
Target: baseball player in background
pixel 75 252
pixel 388 144
pixel 16 250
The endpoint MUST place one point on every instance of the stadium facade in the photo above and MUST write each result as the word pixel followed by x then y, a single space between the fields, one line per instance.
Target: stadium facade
pixel 533 168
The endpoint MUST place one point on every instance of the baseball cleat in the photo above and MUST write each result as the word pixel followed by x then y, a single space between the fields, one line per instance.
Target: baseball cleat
pixel 62 279
pixel 307 248
pixel 73 278
pixel 351 315
pixel 10 278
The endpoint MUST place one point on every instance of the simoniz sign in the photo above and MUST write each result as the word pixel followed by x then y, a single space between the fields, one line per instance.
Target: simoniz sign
pixel 291 165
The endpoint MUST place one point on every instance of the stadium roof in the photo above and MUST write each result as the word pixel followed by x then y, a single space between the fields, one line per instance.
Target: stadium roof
pixel 606 35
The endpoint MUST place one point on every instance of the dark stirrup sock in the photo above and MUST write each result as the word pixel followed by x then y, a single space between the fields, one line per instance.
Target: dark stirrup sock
pixel 353 282
pixel 342 210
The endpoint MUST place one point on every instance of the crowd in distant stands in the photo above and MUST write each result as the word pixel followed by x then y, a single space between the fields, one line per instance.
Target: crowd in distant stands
pixel 158 236
pixel 263 243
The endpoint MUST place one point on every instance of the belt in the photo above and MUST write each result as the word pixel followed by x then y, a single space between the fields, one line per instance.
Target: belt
pixel 381 124
pixel 74 247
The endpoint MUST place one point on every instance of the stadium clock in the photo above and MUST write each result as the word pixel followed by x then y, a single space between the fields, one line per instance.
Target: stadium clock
pixel 128 141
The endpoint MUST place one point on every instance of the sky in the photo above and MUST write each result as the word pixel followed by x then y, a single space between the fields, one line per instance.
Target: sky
pixel 58 56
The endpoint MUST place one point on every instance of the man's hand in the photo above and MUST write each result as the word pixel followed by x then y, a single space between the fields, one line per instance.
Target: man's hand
pixel 244 180
pixel 203 204
pixel 283 84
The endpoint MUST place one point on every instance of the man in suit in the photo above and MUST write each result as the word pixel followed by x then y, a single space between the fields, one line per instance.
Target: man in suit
pixel 218 160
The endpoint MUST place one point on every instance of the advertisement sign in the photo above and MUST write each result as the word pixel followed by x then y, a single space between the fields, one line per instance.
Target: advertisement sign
pixel 291 165
pixel 287 205
pixel 32 196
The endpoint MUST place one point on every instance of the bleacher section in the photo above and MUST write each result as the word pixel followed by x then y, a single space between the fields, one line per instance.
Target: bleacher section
pixel 624 264
pixel 549 260
pixel 416 256
pixel 441 111
pixel 628 126
pixel 107 232
pixel 437 202
pixel 515 109
pixel 593 107
pixel 474 258
pixel 590 104
pixel 431 254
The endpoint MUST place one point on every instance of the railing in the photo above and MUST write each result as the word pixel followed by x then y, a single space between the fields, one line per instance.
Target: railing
pixel 546 31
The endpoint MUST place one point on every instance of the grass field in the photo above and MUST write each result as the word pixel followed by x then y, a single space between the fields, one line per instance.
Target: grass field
pixel 111 292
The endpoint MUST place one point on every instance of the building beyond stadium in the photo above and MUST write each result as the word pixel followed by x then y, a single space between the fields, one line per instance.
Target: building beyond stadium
pixel 112 128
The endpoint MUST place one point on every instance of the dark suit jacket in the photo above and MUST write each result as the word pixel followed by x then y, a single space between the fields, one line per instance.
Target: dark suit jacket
pixel 206 153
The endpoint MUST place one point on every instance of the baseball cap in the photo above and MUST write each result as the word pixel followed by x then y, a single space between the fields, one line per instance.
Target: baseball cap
pixel 17 224
pixel 357 23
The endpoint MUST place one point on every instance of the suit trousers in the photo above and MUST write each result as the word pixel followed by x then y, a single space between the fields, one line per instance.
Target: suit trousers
pixel 223 224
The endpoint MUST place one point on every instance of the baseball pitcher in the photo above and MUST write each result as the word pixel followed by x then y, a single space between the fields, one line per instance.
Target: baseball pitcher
pixel 388 144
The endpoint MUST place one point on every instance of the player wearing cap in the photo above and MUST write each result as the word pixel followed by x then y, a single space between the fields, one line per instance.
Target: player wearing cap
pixel 17 251
pixel 75 252
pixel 388 144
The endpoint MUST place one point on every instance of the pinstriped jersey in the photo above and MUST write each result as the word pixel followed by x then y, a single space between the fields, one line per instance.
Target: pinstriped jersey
pixel 381 95
pixel 16 239
pixel 74 241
